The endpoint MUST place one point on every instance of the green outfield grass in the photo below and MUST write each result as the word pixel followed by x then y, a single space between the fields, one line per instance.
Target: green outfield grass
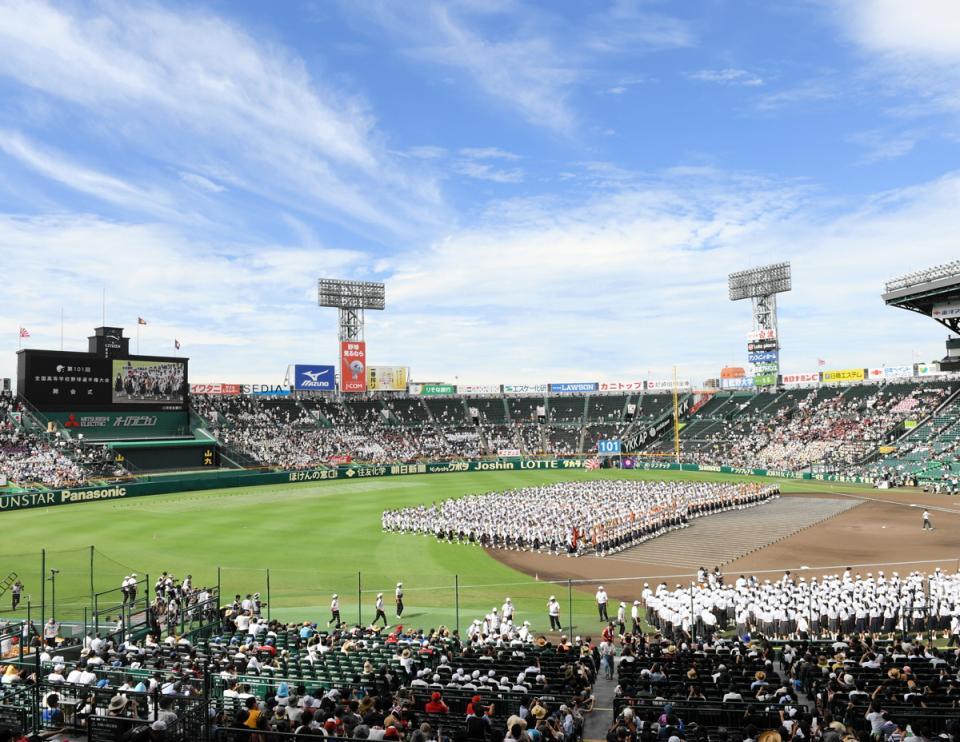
pixel 315 538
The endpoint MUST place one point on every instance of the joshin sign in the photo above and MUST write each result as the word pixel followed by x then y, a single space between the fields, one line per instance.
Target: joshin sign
pixel 353 366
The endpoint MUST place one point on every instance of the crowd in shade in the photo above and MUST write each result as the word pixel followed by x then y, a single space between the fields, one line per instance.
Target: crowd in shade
pixel 602 516
pixel 35 457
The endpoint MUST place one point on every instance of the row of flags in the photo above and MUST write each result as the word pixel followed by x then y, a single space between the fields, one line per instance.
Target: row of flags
pixel 25 333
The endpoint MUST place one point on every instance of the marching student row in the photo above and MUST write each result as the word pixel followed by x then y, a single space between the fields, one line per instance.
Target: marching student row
pixel 601 517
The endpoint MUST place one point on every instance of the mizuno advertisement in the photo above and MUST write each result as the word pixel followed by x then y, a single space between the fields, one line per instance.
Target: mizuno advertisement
pixel 314 378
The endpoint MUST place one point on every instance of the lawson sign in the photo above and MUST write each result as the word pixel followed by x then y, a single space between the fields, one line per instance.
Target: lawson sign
pixel 314 378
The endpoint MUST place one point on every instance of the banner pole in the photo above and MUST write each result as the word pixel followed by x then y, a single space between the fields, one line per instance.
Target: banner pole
pixel 91 576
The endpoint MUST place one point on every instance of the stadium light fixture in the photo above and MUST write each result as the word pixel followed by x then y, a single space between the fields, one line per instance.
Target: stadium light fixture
pixel 918 278
pixel 756 282
pixel 351 298
pixel 761 285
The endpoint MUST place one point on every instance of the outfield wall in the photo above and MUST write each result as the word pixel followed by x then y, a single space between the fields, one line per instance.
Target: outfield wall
pixel 240 478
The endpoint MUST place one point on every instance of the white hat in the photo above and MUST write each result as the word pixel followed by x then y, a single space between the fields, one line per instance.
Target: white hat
pixel 335 595
pixel 399 584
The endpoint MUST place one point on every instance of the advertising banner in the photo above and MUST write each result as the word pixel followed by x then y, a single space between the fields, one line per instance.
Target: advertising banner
pixel 579 386
pixel 898 372
pixel 946 310
pixel 387 378
pixel 740 382
pixel 525 388
pixel 764 356
pixel 620 386
pixel 478 388
pixel 647 434
pixel 876 374
pixel 761 335
pixel 311 378
pixel 812 377
pixel 924 369
pixel 758 346
pixel 265 390
pixel 508 452
pixel 225 389
pixel 353 366
pixel 732 372
pixel 433 390
pixel 764 368
pixel 847 374
pixel 765 380
pixel 667 384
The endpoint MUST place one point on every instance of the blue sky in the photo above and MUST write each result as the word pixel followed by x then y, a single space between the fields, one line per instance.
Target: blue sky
pixel 551 191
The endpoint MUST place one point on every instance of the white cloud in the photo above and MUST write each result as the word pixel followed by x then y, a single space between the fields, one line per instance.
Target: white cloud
pixel 205 96
pixel 488 153
pixel 636 279
pixel 241 310
pixel 883 145
pixel 930 31
pixel 204 184
pixel 57 167
pixel 483 171
pixel 427 152
pixel 632 27
pixel 912 48
pixel 727 76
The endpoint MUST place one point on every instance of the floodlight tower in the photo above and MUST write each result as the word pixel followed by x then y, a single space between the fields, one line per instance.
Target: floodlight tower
pixel 761 285
pixel 351 298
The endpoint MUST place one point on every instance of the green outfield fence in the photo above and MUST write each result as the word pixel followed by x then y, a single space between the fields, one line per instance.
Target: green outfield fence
pixel 166 484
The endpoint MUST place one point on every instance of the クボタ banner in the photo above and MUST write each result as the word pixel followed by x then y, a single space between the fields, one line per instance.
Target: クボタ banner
pixel 387 378
pixel 353 366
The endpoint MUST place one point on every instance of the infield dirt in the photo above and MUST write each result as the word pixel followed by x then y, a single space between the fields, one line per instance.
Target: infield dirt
pixel 883 533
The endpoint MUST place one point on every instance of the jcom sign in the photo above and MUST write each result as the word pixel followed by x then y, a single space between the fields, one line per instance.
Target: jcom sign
pixel 353 366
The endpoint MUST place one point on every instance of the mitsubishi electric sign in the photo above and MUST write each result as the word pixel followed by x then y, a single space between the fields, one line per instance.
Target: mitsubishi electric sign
pixel 314 378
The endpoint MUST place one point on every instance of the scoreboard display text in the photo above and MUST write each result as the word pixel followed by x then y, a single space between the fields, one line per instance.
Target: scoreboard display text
pixel 51 380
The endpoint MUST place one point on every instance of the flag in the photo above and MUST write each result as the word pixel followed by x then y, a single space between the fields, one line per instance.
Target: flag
pixel 141 321
pixel 821 362
pixel 176 344
pixel 24 332
pixel 591 463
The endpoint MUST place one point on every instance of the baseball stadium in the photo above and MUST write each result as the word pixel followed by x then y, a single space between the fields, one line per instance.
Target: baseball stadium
pixel 479 371
pixel 550 528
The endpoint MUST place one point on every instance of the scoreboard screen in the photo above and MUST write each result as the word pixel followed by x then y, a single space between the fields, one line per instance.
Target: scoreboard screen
pixel 55 380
